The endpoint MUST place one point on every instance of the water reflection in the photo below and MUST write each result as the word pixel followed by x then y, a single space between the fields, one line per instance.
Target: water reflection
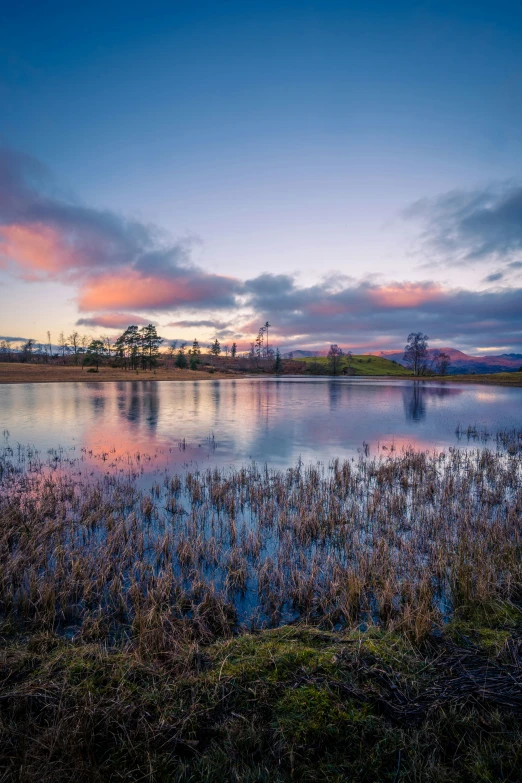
pixel 273 420
pixel 416 397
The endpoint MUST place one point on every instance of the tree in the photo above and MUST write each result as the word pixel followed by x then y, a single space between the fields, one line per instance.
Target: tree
pixel 266 328
pixel 74 342
pixel 226 348
pixel 95 352
pixel 181 359
pixel 194 361
pixel 63 345
pixel 196 350
pixel 128 347
pixel 440 362
pixel 49 344
pixel 6 350
pixel 86 340
pixel 26 354
pixel 335 355
pixel 259 343
pixel 150 344
pixel 349 357
pixel 107 343
pixel 278 365
pixel 171 348
pixel 416 352
pixel 233 350
pixel 215 348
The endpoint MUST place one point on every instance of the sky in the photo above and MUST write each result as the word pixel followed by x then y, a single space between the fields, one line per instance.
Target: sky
pixel 349 171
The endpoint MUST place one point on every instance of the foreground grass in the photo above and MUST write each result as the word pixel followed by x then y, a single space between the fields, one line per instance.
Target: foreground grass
pixel 359 365
pixel 295 703
pixel 123 613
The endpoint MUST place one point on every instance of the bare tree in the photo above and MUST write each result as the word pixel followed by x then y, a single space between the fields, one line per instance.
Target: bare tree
pixel 107 342
pixel 171 348
pixel 416 352
pixel 49 344
pixel 5 350
pixel 335 355
pixel 440 362
pixel 74 342
pixel 63 345
pixel 26 354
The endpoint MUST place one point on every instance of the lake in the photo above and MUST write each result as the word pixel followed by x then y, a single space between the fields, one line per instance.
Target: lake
pixel 230 422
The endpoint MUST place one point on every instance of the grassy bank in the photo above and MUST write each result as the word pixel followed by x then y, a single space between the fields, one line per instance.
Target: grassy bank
pixel 356 622
pixel 11 372
pixel 495 378
pixel 290 704
pixel 358 365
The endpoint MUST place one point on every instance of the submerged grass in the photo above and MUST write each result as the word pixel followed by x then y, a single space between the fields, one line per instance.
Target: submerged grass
pixel 359 622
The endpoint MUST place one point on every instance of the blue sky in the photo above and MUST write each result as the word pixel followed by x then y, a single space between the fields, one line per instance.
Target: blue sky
pixel 263 139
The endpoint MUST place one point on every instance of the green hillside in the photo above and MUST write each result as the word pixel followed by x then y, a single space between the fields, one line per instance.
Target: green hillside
pixel 361 365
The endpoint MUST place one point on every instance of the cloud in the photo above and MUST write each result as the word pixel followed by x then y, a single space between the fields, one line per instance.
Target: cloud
pixel 196 324
pixel 381 315
pixel 494 277
pixel 480 225
pixel 116 263
pixel 113 320
pixel 122 266
pixel 10 338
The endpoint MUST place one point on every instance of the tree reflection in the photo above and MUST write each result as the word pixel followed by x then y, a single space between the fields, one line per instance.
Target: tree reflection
pixel 334 394
pixel 414 400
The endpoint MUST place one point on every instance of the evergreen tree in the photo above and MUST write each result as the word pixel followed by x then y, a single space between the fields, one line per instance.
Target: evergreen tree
pixel 181 359
pixel 278 366
pixel 95 352
pixel 150 343
pixel 131 345
pixel 233 350
pixel 196 350
pixel 215 348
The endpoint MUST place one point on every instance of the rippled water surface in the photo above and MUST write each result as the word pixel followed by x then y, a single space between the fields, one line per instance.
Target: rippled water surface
pixel 229 422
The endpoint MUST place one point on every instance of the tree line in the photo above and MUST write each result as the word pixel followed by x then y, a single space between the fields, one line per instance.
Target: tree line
pixel 417 357
pixel 139 348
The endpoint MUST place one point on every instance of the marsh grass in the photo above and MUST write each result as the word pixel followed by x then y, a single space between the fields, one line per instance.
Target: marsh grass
pixel 359 621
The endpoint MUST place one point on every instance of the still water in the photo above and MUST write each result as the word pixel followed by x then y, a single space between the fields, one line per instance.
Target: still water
pixel 230 422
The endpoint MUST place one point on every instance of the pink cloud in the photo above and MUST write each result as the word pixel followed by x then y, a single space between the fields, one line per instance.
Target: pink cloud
pixel 113 320
pixel 405 295
pixel 141 291
pixel 39 250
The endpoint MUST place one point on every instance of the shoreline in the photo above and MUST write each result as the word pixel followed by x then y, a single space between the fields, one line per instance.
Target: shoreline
pixel 15 373
pixel 38 373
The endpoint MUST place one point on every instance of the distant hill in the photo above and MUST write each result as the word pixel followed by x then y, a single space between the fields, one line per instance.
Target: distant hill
pixel 299 354
pixel 462 363
pixel 367 364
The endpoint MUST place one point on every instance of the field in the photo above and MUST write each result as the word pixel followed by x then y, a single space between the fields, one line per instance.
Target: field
pixel 360 365
pixel 11 372
pixel 359 621
pixel 495 378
